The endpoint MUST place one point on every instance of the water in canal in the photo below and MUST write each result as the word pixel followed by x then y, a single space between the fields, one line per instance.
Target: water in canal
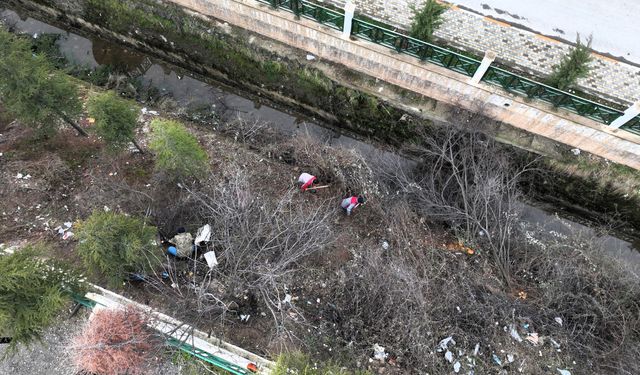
pixel 188 91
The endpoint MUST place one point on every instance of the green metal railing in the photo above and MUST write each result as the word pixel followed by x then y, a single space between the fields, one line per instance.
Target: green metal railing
pixel 209 358
pixel 459 63
pixel 309 10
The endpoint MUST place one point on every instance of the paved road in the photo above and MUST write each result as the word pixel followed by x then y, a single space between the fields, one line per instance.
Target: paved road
pixel 614 23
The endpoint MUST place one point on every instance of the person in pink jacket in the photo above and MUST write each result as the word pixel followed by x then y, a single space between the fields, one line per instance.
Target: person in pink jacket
pixel 350 203
pixel 307 181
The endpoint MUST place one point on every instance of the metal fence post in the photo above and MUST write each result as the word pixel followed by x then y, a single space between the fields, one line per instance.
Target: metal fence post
pixel 488 58
pixel 349 11
pixel 297 7
pixel 629 114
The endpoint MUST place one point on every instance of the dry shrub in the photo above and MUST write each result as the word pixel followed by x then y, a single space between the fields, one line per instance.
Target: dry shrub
pixel 260 240
pixel 411 296
pixel 115 342
pixel 595 295
pixel 344 168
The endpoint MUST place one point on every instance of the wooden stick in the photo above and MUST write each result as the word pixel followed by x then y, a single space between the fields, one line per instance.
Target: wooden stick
pixel 318 187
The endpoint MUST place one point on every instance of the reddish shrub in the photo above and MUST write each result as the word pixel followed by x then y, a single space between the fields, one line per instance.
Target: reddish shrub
pixel 115 342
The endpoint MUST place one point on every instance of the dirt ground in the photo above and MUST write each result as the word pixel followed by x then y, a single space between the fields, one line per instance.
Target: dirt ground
pixel 47 183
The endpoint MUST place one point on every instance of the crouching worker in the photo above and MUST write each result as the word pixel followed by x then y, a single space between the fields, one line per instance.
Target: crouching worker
pixel 307 181
pixel 350 203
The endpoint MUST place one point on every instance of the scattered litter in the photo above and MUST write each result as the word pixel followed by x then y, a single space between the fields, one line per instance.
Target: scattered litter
pixel 444 344
pixel 563 372
pixel 558 320
pixel 91 120
pixel 458 308
pixel 183 244
pixel 476 350
pixel 106 209
pixel 203 235
pixel 211 259
pixel 171 250
pixel 510 358
pixel 20 176
pixel 145 111
pixel 525 326
pixel 287 298
pixel 448 356
pixel 244 318
pixel 514 333
pixel 522 294
pixel 496 359
pixel 575 151
pixel 385 245
pixel 456 367
pixel 379 353
pixel 533 338
pixel 64 230
pixel 555 343
pixel 67 235
pixel 310 57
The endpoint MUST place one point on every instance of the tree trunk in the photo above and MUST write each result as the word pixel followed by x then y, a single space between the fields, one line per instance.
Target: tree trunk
pixel 133 140
pixel 69 121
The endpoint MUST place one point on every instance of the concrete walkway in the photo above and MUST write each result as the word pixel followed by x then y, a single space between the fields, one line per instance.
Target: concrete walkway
pixel 531 52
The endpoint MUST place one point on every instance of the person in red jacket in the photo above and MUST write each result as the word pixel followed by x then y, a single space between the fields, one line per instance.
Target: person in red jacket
pixel 307 181
pixel 350 203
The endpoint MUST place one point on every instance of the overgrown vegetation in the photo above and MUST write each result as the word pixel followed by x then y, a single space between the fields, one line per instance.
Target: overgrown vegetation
pixel 300 364
pixel 32 90
pixel 116 245
pixel 427 19
pixel 574 65
pixel 33 290
pixel 177 151
pixel 116 119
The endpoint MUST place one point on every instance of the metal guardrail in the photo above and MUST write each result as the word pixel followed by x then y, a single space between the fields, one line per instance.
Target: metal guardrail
pixel 459 63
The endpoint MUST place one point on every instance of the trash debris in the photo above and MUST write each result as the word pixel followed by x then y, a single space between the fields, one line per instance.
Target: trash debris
pixel 64 230
pixel 558 320
pixel 510 358
pixel 533 338
pixel 448 356
pixel 496 359
pixel 211 259
pixel 575 151
pixel 555 343
pixel 514 333
pixel 456 367
pixel 563 372
pixel 476 350
pixel 444 344
pixel 203 235
pixel 244 318
pixel 385 245
pixel 171 250
pixel 67 235
pixel 287 298
pixel 183 243
pixel 522 294
pixel 459 247
pixel 310 57
pixel 379 353
pixel 145 111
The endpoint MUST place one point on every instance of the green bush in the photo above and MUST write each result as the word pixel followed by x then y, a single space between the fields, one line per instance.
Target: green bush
pixel 116 119
pixel 573 66
pixel 32 293
pixel 426 20
pixel 32 90
pixel 177 151
pixel 116 245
